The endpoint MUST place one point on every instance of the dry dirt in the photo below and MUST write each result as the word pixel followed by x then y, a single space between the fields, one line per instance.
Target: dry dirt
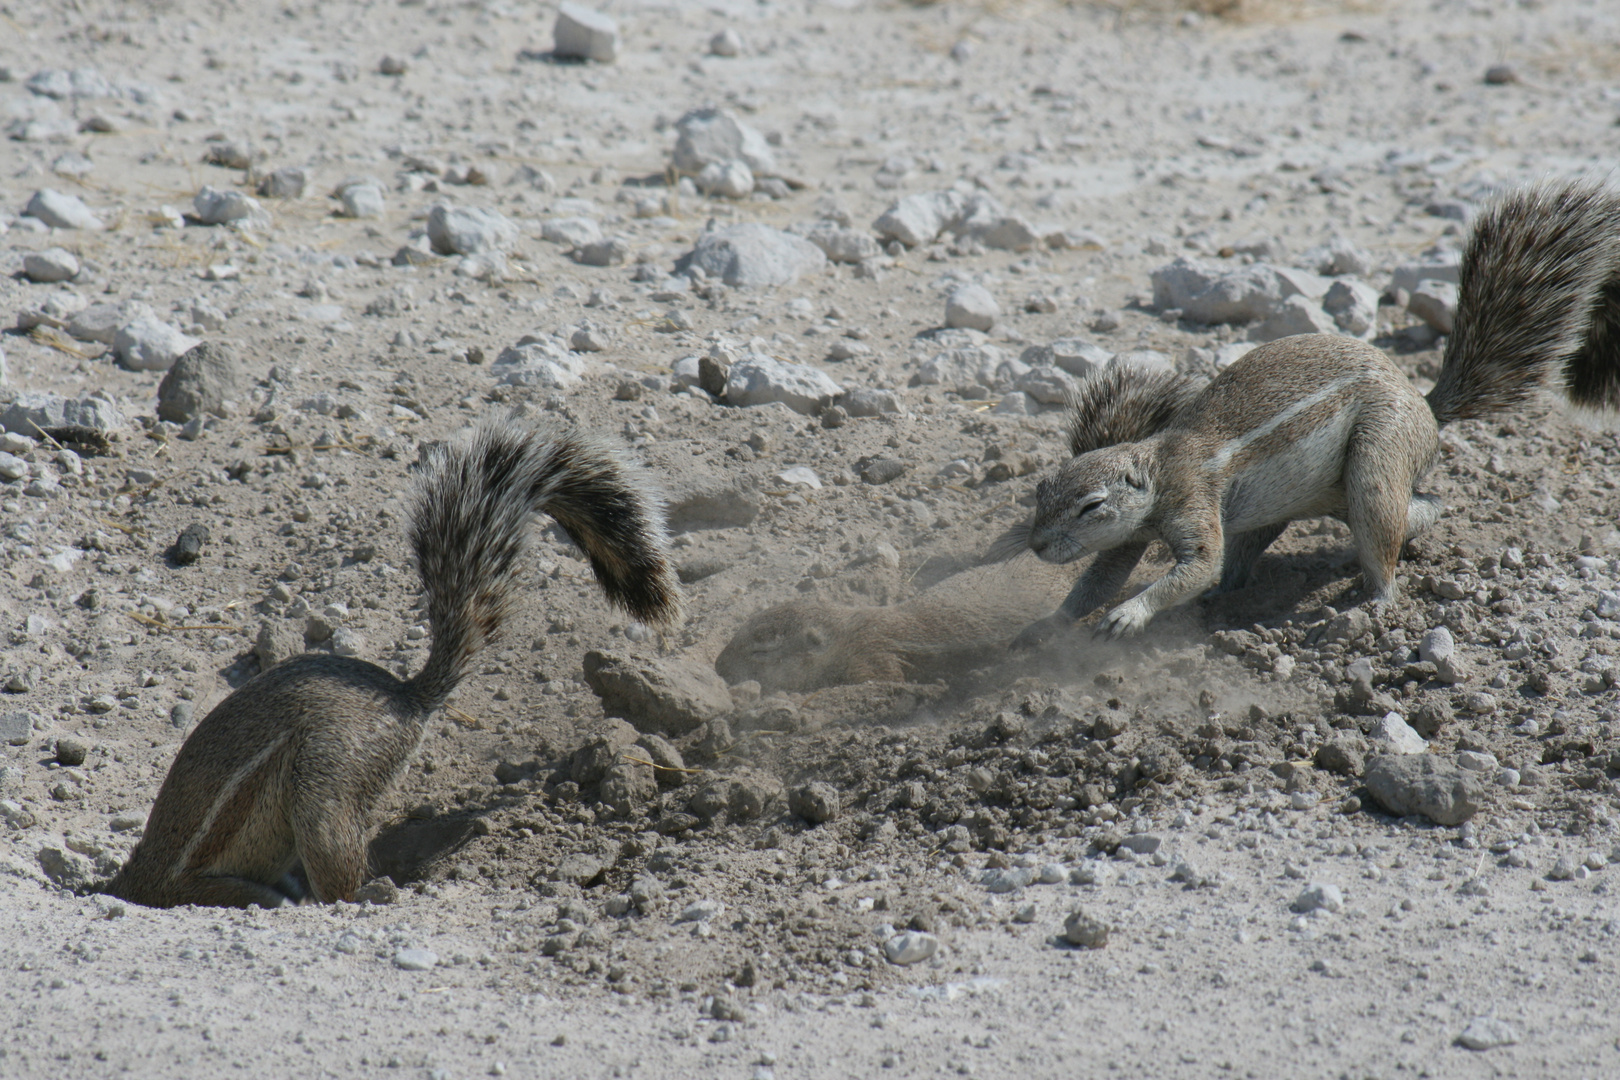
pixel 1186 787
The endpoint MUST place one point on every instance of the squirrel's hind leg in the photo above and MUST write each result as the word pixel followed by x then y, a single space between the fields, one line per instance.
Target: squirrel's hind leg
pixel 331 842
pixel 1242 552
pixel 1379 517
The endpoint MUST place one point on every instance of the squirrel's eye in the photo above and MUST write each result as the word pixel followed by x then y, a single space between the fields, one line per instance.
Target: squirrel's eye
pixel 1083 508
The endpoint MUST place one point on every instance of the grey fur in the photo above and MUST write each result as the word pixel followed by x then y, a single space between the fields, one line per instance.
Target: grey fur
pixel 1538 303
pixel 291 768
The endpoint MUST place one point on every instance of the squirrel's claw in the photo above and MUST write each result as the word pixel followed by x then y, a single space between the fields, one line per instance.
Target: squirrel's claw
pixel 1127 620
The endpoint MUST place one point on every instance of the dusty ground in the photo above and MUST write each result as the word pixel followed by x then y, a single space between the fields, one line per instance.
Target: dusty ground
pixel 574 941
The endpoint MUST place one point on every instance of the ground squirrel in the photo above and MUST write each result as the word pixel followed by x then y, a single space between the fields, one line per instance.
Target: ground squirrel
pixel 1322 425
pixel 944 630
pixel 290 768
pixel 952 626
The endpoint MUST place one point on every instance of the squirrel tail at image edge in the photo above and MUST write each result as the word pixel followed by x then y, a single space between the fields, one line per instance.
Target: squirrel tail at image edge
pixel 1538 304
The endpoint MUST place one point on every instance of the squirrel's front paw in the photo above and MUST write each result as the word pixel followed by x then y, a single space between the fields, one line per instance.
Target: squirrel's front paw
pixel 1038 633
pixel 1127 620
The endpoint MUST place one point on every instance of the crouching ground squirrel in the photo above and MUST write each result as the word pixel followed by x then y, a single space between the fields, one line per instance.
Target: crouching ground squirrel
pixel 1321 425
pixel 291 767
pixel 957 624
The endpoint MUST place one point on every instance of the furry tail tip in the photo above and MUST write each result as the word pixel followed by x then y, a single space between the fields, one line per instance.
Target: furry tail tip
pixel 1538 303
pixel 470 524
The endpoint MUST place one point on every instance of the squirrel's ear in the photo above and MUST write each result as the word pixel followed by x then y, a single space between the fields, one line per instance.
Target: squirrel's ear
pixel 1135 478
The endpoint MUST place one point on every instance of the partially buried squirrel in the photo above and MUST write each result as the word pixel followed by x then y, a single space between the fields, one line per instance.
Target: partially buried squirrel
pixel 291 767
pixel 1319 425
pixel 957 624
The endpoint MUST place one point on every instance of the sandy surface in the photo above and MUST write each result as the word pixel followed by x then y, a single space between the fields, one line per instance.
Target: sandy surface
pixel 1188 789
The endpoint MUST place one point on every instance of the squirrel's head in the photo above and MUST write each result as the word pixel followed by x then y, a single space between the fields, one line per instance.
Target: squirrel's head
pixel 1095 502
pixel 781 648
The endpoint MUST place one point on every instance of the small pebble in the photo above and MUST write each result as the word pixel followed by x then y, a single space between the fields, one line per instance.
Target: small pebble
pixel 415 959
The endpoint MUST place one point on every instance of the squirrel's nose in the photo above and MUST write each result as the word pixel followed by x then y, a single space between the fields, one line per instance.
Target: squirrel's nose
pixel 1038 543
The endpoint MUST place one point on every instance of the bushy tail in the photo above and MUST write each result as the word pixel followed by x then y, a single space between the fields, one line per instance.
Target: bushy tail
pixel 470 522
pixel 1538 303
pixel 1123 403
pixel 1119 404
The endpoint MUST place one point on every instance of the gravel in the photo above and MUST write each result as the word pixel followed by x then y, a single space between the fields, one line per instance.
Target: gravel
pixel 229 207
pixel 712 136
pixel 762 380
pixel 1487 1033
pixel 971 307
pixel 1084 929
pixel 201 381
pixel 582 33
pixel 910 947
pixel 1319 896
pixel 753 256
pixel 50 266
pixel 61 211
pixel 149 344
pixel 416 959
pixel 1424 784
pixel 464 230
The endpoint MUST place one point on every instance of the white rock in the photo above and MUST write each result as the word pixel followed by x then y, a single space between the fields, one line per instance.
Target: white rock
pixel 1319 896
pixel 1435 302
pixel 910 947
pixel 583 34
pixel 1208 293
pixel 728 179
pixel 50 266
pixel 1048 385
pixel 802 475
pixel 1295 315
pixel 1354 307
pixel 63 84
pixel 30 411
pixel 1440 266
pixel 1476 761
pixel 972 307
pixel 715 137
pixel 1487 1033
pixel 843 245
pixel 100 322
pixel 536 361
pixel 957 369
pixel 1396 736
pixel 1077 356
pixel 12 467
pixel 919 218
pixel 57 308
pixel 726 43
pixel 467 230
pixel 215 207
pixel 762 380
pixel 362 201
pixel 753 256
pixel 1436 645
pixel 572 231
pixel 1007 232
pixel 148 344
pixel 868 401
pixel 61 211
pixel 287 182
pixel 416 959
